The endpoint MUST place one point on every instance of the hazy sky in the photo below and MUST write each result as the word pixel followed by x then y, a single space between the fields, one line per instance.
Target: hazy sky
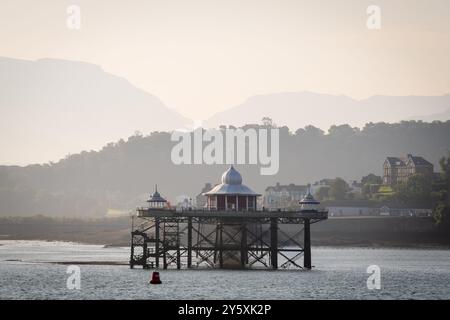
pixel 204 56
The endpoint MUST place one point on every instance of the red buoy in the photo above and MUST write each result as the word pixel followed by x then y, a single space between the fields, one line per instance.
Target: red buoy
pixel 155 278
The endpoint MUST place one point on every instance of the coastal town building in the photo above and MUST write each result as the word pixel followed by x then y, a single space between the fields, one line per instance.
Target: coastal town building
pixel 200 199
pixel 282 196
pixel 355 187
pixel 183 201
pixel 397 170
pixel 320 184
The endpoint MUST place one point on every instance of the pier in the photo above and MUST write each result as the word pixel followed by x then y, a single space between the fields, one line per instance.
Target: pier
pixel 163 238
pixel 229 232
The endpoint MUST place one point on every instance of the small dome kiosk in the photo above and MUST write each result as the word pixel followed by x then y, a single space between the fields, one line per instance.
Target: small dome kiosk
pixel 308 203
pixel 156 201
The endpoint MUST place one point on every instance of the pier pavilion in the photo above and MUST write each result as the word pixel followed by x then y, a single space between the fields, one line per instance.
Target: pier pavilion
pixel 231 232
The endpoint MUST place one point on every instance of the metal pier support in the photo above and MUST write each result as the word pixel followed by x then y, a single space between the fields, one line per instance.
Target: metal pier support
pixel 220 245
pixel 307 245
pixel 189 243
pixel 157 242
pixel 274 243
pixel 244 247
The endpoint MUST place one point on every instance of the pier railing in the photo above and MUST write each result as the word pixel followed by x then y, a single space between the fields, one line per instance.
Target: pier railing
pixel 206 212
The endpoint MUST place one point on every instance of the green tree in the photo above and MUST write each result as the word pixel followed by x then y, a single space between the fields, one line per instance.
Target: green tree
pixel 342 131
pixel 445 170
pixel 338 189
pixel 268 122
pixel 416 192
pixel 322 193
pixel 370 190
pixel 442 210
pixel 371 179
pixel 370 185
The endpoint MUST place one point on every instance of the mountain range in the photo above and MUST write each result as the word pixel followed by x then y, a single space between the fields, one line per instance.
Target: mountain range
pixel 50 108
pixel 299 109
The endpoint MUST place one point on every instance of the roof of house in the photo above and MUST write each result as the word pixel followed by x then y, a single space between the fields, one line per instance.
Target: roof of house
pixel 419 161
pixel 323 182
pixel 205 189
pixel 289 187
pixel 395 161
pixel 402 161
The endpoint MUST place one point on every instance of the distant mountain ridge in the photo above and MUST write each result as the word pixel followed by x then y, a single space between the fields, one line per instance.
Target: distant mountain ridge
pixel 442 116
pixel 299 109
pixel 50 108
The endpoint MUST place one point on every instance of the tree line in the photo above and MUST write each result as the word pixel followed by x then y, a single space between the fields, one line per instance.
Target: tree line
pixel 122 174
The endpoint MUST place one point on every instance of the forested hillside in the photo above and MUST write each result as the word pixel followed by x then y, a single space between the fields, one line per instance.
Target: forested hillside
pixel 120 176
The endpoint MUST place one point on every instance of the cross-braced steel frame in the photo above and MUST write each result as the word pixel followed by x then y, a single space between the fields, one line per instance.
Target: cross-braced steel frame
pixel 172 240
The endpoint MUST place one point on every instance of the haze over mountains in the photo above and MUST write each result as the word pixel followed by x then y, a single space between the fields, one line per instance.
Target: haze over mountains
pixel 443 116
pixel 50 108
pixel 299 109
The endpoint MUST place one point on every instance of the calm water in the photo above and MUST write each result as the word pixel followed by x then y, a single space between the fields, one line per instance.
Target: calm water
pixel 25 273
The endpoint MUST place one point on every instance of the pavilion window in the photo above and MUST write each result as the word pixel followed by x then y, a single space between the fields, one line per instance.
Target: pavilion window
pixel 251 202
pixel 231 203
pixel 212 202
pixel 220 202
pixel 242 203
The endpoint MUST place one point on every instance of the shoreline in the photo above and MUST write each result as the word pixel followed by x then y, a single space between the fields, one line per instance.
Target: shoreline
pixel 338 244
pixel 122 261
pixel 342 232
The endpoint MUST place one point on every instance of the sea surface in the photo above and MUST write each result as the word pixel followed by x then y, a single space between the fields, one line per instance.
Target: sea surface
pixel 32 270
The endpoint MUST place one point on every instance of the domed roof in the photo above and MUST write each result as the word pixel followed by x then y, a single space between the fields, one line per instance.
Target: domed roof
pixel 156 197
pixel 231 176
pixel 231 185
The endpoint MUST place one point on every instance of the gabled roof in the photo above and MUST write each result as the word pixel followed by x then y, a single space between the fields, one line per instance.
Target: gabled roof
pixel 395 161
pixel 400 162
pixel 418 161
